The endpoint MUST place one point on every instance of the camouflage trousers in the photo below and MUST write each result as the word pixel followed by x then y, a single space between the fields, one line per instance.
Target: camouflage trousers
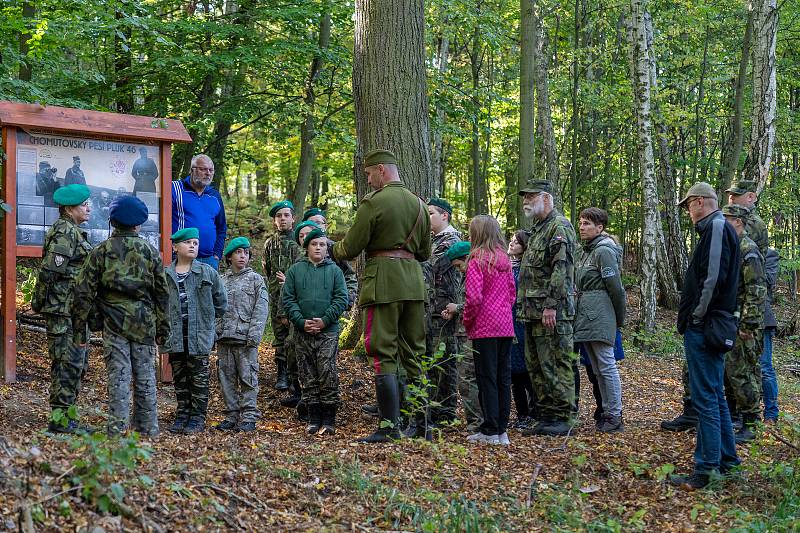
pixel 443 374
pixel 68 363
pixel 290 354
pixel 280 333
pixel 130 364
pixel 468 383
pixel 743 376
pixel 550 358
pixel 190 377
pixel 316 360
pixel 237 369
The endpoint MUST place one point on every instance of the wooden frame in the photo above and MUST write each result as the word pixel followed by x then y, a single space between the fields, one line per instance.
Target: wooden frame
pixel 83 123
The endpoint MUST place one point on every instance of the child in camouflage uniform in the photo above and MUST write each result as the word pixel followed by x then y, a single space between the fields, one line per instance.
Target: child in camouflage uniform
pixel 196 300
pixel 239 333
pixel 124 278
pixel 315 296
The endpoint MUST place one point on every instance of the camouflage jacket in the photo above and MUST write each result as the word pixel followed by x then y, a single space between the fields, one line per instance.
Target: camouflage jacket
pixel 757 231
pixel 280 253
pixel 752 295
pixel 439 245
pixel 66 248
pixel 248 308
pixel 124 278
pixel 547 271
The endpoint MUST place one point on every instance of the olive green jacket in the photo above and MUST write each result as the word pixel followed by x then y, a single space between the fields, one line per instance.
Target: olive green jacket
pixel 391 218
pixel 757 231
pixel 601 296
pixel 752 295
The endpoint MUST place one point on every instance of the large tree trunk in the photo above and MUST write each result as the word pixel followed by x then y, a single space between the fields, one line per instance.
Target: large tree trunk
pixel 307 129
pixel 762 136
pixel 28 12
pixel 479 185
pixel 527 106
pixel 123 88
pixel 640 72
pixel 544 115
pixel 442 59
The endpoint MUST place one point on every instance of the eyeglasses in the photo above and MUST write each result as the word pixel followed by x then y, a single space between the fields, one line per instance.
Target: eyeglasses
pixel 688 203
pixel 204 169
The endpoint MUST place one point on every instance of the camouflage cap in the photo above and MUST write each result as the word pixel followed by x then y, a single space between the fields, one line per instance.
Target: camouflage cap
pixel 735 211
pixel 128 211
pixel 304 224
pixel 314 211
pixel 458 250
pixel 742 187
pixel 441 203
pixel 700 189
pixel 314 234
pixel 185 234
pixel 380 157
pixel 277 206
pixel 74 194
pixel 536 186
pixel 235 244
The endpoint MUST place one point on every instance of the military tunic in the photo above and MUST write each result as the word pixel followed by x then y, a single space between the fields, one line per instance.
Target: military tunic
pixel 756 229
pixel 547 281
pixel 66 248
pixel 280 253
pixel 392 291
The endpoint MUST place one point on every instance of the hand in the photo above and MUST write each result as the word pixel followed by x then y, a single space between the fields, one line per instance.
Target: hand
pixel 280 276
pixel 284 321
pixel 449 311
pixel 746 335
pixel 319 324
pixel 309 327
pixel 549 318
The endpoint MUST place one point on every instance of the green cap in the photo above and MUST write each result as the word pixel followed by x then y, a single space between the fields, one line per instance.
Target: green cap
pixel 315 233
pixel 185 234
pixel 302 225
pixel 235 244
pixel 701 189
pixel 277 206
pixel 74 194
pixel 314 211
pixel 458 250
pixel 735 211
pixel 441 203
pixel 742 187
pixel 536 186
pixel 380 157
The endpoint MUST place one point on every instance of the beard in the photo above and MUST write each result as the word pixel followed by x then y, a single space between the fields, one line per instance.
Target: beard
pixel 528 211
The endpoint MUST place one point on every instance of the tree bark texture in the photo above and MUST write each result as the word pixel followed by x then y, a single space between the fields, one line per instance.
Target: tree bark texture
pixel 733 151
pixel 28 12
pixel 442 59
pixel 527 107
pixel 544 114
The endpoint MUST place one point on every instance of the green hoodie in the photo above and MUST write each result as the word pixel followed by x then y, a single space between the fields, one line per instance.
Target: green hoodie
pixel 315 292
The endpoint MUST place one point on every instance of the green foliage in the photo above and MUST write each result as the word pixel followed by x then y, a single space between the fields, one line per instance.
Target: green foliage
pixel 29 285
pixel 663 341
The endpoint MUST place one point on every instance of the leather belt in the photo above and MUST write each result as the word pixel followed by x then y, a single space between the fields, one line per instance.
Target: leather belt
pixel 397 254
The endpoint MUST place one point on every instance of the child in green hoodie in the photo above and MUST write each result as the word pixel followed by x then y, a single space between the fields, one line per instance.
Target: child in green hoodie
pixel 315 296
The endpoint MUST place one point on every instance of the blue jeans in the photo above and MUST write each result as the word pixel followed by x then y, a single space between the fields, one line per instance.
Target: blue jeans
pixel 716 447
pixel 210 260
pixel 769 381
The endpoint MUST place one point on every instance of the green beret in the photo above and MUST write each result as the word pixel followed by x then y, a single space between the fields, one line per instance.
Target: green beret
pixel 458 250
pixel 302 225
pixel 536 186
pixel 735 211
pixel 380 157
pixel 235 244
pixel 277 206
pixel 314 211
pixel 74 194
pixel 742 187
pixel 315 233
pixel 185 234
pixel 441 203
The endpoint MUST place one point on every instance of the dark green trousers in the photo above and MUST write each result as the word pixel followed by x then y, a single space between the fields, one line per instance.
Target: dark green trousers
pixel 394 337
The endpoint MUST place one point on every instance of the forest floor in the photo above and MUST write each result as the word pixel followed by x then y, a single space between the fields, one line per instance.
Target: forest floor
pixel 279 478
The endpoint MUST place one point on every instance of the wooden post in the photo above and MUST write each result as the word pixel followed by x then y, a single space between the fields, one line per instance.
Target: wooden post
pixel 9 280
pixel 164 368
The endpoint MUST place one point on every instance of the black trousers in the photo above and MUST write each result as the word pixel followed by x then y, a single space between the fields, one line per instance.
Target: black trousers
pixel 523 394
pixel 493 374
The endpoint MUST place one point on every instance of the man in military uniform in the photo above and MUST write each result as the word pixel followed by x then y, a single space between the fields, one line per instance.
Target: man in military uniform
pixel 74 174
pixel 144 173
pixel 392 227
pixel 545 298
pixel 66 248
pixel 743 193
pixel 124 279
pixel 280 252
pixel 742 368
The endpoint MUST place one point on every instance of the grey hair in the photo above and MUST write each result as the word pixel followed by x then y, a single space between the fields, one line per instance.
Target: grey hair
pixel 198 157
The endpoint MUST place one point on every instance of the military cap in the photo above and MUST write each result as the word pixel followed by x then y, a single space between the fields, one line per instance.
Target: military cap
pixel 74 194
pixel 441 203
pixel 742 187
pixel 535 186
pixel 302 225
pixel 277 206
pixel 458 250
pixel 185 234
pixel 76 158
pixel 314 211
pixel 700 189
pixel 735 211
pixel 380 157
pixel 315 233
pixel 127 210
pixel 235 244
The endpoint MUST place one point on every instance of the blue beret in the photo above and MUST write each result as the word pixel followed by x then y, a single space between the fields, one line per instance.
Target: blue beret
pixel 74 194
pixel 235 244
pixel 315 233
pixel 277 206
pixel 128 210
pixel 458 250
pixel 302 225
pixel 185 234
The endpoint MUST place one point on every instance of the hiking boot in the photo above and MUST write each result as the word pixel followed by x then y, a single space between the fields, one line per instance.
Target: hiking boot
pixel 370 409
pixel 295 395
pixel 683 422
pixel 746 433
pixel 387 391
pixel 693 481
pixel 610 424
pixel 302 411
pixel 558 428
pixel 282 376
pixel 179 425
pixel 328 419
pixel 196 424
pixel 314 418
pixel 226 425
pixel 247 427
pixel 72 427
pixel 534 426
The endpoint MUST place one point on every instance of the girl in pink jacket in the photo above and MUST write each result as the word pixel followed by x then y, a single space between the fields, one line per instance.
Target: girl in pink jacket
pixel 490 296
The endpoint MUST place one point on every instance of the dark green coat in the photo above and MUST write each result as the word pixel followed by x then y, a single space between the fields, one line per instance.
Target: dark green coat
pixel 315 291
pixel 601 296
pixel 384 220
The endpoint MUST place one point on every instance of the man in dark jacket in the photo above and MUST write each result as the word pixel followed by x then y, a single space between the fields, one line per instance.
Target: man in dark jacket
pixel 710 288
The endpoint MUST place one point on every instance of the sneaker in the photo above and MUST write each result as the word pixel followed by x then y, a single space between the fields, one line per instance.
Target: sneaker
pixel 480 438
pixel 611 424
pixel 226 425
pixel 247 427
pixel 692 481
pixel 475 437
pixel 196 424
pixel 503 439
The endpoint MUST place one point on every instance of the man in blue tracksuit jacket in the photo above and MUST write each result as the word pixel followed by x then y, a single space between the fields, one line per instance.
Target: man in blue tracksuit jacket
pixel 195 204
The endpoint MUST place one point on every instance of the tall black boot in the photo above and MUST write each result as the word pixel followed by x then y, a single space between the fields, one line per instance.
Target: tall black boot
pixel 282 379
pixel 387 393
pixel 683 422
pixel 295 395
pixel 746 433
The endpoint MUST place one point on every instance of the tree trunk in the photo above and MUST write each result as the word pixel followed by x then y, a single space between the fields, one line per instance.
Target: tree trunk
pixel 481 203
pixel 123 89
pixel 442 59
pixel 762 136
pixel 28 12
pixel 698 108
pixel 307 129
pixel 527 107
pixel 543 111
pixel 640 72
pixel 733 150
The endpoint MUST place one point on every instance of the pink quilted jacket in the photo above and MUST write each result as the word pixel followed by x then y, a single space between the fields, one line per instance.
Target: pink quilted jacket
pixel 490 298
